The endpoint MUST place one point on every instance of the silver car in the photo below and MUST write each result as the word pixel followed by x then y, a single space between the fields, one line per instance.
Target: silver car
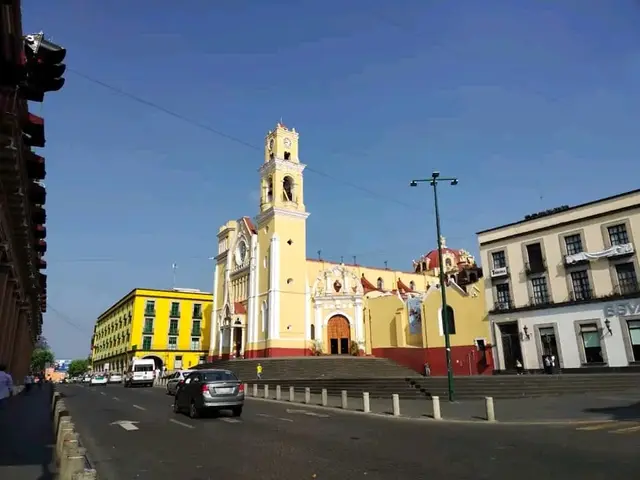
pixel 211 389
pixel 176 379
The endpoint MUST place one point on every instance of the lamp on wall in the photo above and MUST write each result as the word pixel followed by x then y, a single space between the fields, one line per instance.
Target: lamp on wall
pixel 525 335
pixel 607 324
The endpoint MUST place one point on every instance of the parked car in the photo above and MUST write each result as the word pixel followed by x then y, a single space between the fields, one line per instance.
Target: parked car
pixel 211 389
pixel 86 379
pixel 176 379
pixel 98 379
pixel 141 372
pixel 115 378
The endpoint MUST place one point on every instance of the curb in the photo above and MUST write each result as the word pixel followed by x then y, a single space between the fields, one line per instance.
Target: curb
pixel 71 456
pixel 434 421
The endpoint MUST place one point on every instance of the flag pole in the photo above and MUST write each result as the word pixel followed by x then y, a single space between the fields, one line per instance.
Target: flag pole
pixel 174 267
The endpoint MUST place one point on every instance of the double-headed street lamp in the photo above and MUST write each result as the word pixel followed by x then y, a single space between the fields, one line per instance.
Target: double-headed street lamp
pixel 433 181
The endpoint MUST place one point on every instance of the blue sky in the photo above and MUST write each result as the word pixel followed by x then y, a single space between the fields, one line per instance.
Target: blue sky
pixel 531 104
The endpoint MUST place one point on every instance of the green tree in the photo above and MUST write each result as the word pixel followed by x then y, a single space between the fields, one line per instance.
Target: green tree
pixel 78 367
pixel 40 358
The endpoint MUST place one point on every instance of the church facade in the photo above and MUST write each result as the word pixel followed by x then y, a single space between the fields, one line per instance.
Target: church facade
pixel 271 300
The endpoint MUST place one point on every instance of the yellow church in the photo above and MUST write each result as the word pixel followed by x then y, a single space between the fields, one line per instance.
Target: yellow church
pixel 270 300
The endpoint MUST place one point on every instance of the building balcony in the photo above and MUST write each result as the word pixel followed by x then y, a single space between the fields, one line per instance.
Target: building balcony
pixel 197 314
pixel 196 332
pixel 33 131
pixel 174 314
pixel 147 331
pixel 37 193
pixel 499 272
pixel 149 312
pixel 532 268
pixel 173 332
pixel 40 231
pixel 581 295
pixel 38 214
pixel 35 166
pixel 627 288
pixel 540 301
pixel 41 246
pixel 41 263
pixel 503 306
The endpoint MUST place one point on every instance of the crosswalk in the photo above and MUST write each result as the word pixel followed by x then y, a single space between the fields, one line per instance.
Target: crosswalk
pixel 616 427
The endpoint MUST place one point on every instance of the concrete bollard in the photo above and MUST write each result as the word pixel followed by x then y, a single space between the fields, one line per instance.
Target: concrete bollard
pixel 72 463
pixel 491 413
pixel 65 435
pixel 255 390
pixel 325 397
pixel 278 392
pixel 437 414
pixel 266 391
pixel 366 403
pixel 246 388
pixel 292 394
pixel 345 400
pixel 54 400
pixel 307 395
pixel 395 401
pixel 69 443
pixel 64 427
pixel 86 475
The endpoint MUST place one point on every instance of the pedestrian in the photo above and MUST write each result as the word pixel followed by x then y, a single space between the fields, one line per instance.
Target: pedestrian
pixel 6 385
pixel 519 367
pixel 259 371
pixel 28 381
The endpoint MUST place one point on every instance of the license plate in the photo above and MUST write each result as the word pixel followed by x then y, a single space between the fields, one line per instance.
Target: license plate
pixel 224 391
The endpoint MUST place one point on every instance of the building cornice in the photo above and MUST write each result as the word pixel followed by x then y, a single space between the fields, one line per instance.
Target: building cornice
pixel 282 165
pixel 275 211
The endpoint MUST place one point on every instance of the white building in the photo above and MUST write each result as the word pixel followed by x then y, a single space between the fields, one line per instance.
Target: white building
pixel 564 283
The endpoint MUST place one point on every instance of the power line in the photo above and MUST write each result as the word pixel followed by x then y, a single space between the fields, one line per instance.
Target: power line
pixel 67 320
pixel 208 128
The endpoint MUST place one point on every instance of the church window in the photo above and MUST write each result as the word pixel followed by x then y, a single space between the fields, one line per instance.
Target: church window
pixel 312 332
pixel 424 266
pixel 287 189
pixel 287 155
pixel 412 285
pixel 380 283
pixel 265 316
pixel 269 189
pixel 448 263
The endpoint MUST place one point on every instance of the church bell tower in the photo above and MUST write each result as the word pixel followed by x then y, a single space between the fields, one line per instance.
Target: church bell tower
pixel 282 240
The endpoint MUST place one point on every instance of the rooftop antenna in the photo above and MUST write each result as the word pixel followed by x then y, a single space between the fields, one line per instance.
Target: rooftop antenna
pixel 354 260
pixel 320 255
pixel 174 268
pixel 341 259
pixel 385 265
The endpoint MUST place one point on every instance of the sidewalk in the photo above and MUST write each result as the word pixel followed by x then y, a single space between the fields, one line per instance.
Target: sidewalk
pixel 564 408
pixel 26 436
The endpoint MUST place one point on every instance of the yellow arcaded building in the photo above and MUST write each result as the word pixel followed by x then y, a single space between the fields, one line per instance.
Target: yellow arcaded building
pixel 271 300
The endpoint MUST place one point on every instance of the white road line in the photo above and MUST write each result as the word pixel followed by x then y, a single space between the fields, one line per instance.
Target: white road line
pixel 230 420
pixel 102 393
pixel 285 419
pixel 116 399
pixel 264 415
pixel 182 424
pixel 139 407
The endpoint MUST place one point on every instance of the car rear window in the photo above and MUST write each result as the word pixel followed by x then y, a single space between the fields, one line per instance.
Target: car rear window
pixel 143 368
pixel 219 377
pixel 99 377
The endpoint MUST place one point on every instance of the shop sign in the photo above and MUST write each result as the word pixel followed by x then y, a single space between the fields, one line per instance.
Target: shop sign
pixel 622 309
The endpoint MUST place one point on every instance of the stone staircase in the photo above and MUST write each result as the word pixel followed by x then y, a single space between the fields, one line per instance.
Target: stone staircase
pixel 329 367
pixel 516 386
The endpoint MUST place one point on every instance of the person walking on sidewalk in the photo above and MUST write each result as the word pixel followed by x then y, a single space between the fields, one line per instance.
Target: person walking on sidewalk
pixel 6 385
pixel 28 381
pixel 259 371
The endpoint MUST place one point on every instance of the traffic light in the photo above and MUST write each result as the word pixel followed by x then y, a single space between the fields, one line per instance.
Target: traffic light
pixel 43 67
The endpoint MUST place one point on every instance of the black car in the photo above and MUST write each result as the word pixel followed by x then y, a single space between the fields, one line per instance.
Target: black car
pixel 211 389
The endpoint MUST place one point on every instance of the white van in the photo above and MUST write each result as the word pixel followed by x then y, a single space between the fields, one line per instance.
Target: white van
pixel 140 372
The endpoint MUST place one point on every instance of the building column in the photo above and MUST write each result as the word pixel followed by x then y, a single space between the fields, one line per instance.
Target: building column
pixel 21 360
pixel 4 321
pixel 5 314
pixel 20 324
pixel 14 321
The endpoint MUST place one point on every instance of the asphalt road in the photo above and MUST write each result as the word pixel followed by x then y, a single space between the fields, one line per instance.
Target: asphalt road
pixel 293 442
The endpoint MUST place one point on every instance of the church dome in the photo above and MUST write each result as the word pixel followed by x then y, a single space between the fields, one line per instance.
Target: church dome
pixel 454 260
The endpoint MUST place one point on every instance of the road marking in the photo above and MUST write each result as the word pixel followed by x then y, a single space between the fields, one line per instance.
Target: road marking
pixel 139 407
pixel 116 399
pixel 126 424
pixel 600 426
pixel 627 430
pixel 102 393
pixel 230 420
pixel 264 415
pixel 307 412
pixel 182 424
pixel 285 419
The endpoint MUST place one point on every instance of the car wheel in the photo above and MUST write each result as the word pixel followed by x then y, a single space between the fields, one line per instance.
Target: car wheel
pixel 176 407
pixel 193 410
pixel 168 391
pixel 236 411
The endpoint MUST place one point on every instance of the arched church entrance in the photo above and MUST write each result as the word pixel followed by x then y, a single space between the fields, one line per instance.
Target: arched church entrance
pixel 339 335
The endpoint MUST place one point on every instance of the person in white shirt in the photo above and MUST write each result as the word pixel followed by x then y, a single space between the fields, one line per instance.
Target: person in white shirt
pixel 6 385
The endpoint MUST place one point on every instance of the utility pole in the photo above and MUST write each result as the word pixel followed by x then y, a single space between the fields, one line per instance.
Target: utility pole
pixel 433 181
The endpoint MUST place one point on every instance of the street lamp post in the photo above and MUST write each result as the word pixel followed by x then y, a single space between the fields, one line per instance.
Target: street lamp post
pixel 433 181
